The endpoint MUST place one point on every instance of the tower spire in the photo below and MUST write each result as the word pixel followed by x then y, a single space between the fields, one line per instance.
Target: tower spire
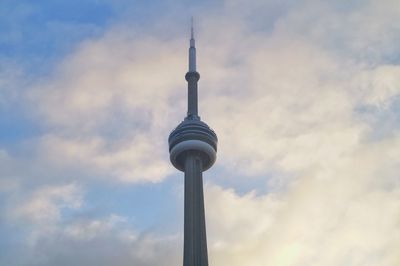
pixel 192 49
pixel 192 29
pixel 192 77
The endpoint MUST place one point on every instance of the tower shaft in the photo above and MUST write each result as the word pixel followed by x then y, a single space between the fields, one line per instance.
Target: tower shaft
pixel 192 79
pixel 195 240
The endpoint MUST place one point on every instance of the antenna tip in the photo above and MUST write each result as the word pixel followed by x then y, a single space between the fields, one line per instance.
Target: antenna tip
pixel 192 27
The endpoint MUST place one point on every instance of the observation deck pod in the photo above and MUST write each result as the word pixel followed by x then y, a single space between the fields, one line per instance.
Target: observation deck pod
pixel 192 135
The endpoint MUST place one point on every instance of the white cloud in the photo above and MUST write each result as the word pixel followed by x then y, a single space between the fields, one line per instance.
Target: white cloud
pixel 347 214
pixel 89 229
pixel 45 204
pixel 109 112
pixel 268 96
pixel 130 160
pixel 98 241
pixel 377 86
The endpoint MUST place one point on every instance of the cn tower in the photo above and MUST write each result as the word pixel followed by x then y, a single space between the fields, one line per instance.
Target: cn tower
pixel 193 150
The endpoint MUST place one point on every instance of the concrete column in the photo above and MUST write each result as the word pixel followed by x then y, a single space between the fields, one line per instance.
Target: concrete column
pixel 195 240
pixel 192 79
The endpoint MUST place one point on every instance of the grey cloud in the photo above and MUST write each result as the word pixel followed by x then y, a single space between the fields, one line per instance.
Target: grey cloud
pixel 106 241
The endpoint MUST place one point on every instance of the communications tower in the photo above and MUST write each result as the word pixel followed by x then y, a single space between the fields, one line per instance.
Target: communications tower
pixel 193 150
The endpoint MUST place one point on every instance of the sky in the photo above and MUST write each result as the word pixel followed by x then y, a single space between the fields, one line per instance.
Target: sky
pixel 304 96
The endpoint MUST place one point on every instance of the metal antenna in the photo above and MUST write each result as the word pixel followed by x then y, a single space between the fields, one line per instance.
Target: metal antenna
pixel 192 28
pixel 192 49
pixel 192 41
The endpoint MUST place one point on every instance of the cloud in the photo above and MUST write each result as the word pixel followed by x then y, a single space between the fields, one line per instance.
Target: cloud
pixel 96 241
pixel 96 104
pixel 110 111
pixel 45 204
pixel 106 245
pixel 343 214
pixel 58 229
